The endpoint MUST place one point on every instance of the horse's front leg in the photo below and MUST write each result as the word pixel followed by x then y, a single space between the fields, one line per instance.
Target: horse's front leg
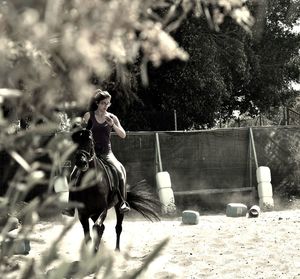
pixel 99 229
pixel 84 220
pixel 120 217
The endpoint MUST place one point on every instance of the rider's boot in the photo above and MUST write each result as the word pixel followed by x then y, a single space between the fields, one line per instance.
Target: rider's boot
pixel 124 204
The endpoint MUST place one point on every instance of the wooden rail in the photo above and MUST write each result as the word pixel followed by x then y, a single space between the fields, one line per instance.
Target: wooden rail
pixel 213 191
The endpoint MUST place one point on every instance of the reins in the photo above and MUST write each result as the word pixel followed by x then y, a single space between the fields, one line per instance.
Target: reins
pixel 88 154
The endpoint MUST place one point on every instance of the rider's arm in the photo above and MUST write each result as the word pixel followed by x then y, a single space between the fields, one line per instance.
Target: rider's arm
pixel 117 127
pixel 85 119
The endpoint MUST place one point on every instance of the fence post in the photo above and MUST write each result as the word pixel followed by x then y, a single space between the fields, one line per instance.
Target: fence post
pixel 285 115
pixel 253 147
pixel 157 145
pixel 175 120
pixel 252 151
pixel 260 120
pixel 250 163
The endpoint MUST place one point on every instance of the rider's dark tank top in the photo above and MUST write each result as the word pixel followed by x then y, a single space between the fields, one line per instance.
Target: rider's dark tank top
pixel 101 134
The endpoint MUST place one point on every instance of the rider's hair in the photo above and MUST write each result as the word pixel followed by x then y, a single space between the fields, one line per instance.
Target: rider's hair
pixel 99 95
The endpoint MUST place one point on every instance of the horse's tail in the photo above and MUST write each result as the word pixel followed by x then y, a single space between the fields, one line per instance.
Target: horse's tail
pixel 142 199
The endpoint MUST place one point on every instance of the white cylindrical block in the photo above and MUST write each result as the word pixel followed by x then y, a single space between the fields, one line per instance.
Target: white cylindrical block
pixel 166 197
pixel 63 196
pixel 165 192
pixel 163 180
pixel 190 217
pixel 60 184
pixel 263 174
pixel 264 189
pixel 61 187
pixel 254 211
pixel 236 210
pixel 266 203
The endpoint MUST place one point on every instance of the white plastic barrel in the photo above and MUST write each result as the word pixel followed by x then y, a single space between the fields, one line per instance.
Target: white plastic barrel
pixel 165 192
pixel 264 189
pixel 263 174
pixel 61 187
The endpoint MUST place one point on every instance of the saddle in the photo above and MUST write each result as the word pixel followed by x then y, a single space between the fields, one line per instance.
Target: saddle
pixel 111 174
pixel 110 171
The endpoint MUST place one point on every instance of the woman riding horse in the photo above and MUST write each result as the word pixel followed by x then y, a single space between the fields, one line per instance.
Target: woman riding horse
pixel 92 189
pixel 101 123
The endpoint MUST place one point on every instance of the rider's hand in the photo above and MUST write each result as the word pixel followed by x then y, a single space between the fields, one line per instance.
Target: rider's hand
pixel 109 120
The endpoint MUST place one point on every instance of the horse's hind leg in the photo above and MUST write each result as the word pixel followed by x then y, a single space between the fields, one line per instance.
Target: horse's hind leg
pixel 99 229
pixel 120 217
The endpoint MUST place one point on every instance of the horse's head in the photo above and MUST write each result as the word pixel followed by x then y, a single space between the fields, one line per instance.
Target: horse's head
pixel 85 150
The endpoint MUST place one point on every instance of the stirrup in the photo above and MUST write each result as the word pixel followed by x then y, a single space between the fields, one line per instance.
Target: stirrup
pixel 124 207
pixel 69 212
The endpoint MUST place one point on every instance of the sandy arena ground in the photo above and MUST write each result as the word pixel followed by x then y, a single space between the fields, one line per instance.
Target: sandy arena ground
pixel 217 247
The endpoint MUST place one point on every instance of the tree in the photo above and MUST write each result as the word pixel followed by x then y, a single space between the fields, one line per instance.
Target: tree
pixel 277 48
pixel 199 88
pixel 227 70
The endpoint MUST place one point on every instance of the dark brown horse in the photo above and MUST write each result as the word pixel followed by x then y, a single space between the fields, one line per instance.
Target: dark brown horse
pixel 95 185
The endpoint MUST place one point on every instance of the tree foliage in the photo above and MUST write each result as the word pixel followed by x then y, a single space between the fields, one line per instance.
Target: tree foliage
pixel 228 70
pixel 277 48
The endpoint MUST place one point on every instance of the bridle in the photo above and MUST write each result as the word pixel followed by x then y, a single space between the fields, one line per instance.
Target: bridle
pixel 89 156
